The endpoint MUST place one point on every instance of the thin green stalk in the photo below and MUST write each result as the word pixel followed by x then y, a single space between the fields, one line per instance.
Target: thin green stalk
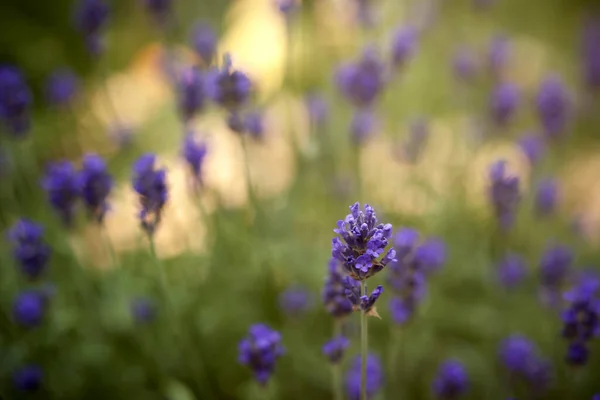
pixel 251 192
pixel 337 367
pixel 161 269
pixel 364 346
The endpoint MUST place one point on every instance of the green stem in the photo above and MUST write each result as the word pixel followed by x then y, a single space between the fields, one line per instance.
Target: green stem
pixel 251 192
pixel 364 345
pixel 337 368
pixel 161 269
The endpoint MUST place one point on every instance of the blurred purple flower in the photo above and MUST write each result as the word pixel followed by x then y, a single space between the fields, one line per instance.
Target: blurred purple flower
pixel 503 194
pixel 511 270
pixel 464 64
pixel 555 265
pixel 29 308
pixel 61 87
pixel 204 42
pixel 192 93
pixel 362 81
pixel 362 127
pixel 498 55
pixel 334 293
pixel 295 300
pixel 532 146
pixel 151 186
pixel 254 125
pixel 317 108
pixel 90 19
pixel 259 351
pixel 143 310
pixel 546 197
pixel 28 248
pixel 504 102
pixel 62 188
pixel 95 184
pixel 15 101
pixel 374 377
pixel 28 378
pixel 451 380
pixel 430 255
pixel 404 44
pixel 553 106
pixel 194 154
pixel 228 87
pixel 519 356
pixel 335 348
pixel 286 7
pixel 361 301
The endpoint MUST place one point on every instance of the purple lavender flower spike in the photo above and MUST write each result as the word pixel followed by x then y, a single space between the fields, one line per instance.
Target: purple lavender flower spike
pixel 254 125
pixel 405 241
pixel 464 64
pixel 159 10
pixel 404 44
pixel 295 301
pixel 194 154
pixel 62 188
pixel 143 310
pixel 532 147
pixel 259 351
pixel 362 81
pixel 204 42
pixel 591 53
pixel 151 186
pixel 29 308
pixel 374 377
pixel 451 381
pixel 95 183
pixel 498 55
pixel 555 265
pixel 553 106
pixel 519 355
pixel 362 127
pixel 317 108
pixel 511 270
pixel 430 255
pixel 504 102
pixel 61 87
pixel 29 249
pixel 90 20
pixel 361 243
pixel 334 292
pixel 335 348
pixel 191 93
pixel 15 101
pixel 228 87
pixel 504 194
pixel 28 378
pixel 546 197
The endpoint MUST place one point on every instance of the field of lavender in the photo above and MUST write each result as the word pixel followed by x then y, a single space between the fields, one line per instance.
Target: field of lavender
pixel 291 199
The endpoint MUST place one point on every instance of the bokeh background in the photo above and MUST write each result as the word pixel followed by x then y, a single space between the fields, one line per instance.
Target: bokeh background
pixel 229 260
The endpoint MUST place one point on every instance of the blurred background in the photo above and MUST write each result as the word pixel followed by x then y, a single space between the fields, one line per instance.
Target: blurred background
pixel 403 105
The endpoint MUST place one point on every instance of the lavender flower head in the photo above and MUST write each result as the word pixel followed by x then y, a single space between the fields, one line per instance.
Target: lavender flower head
pixel 317 108
pixel 62 188
pixel 61 87
pixel 28 378
pixel 553 106
pixel 404 44
pixel 194 154
pixel 29 249
pixel 204 42
pixel 259 351
pixel 362 81
pixel 159 10
pixel 360 301
pixel 498 55
pixel 519 355
pixel 15 101
pixel 295 300
pixel 254 125
pixel 228 87
pixel 191 93
pixel 504 102
pixel 591 53
pixel 511 270
pixel 362 126
pixel 90 20
pixel 29 308
pixel 464 64
pixel 95 184
pixel 361 248
pixel 546 197
pixel 430 256
pixel 504 194
pixel 451 381
pixel 374 377
pixel 151 186
pixel 334 292
pixel 335 348
pixel 143 310
pixel 532 147
pixel 555 265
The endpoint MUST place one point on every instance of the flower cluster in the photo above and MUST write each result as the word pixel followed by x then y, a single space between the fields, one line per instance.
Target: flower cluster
pixel 191 93
pixel 361 248
pixel 504 194
pixel 227 87
pixel 519 355
pixel 532 147
pixel 546 197
pixel 151 186
pixel 504 102
pixel 95 184
pixel 553 106
pixel 29 249
pixel 61 88
pixel 334 292
pixel 451 380
pixel 90 20
pixel 194 154
pixel 204 42
pixel 360 301
pixel 15 101
pixel 555 265
pixel 361 82
pixel 29 308
pixel 404 44
pixel 259 351
pixel 581 319
pixel 374 377
pixel 61 184
pixel 335 348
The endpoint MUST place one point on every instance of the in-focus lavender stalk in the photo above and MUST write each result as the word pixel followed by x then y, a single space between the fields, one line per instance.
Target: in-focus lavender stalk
pixel 28 378
pixel 555 265
pixel 62 188
pixel 519 355
pixel 204 42
pixel 29 250
pixel 553 106
pixel 259 351
pixel 504 194
pixel 546 197
pixel 451 381
pixel 95 184
pixel 15 101
pixel 364 378
pixel 511 270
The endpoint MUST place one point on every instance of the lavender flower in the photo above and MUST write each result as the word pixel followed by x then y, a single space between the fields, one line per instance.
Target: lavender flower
pixel 143 310
pixel 519 355
pixel 29 308
pixel 295 300
pixel 62 188
pixel 90 20
pixel 404 44
pixel 335 348
pixel 236 123
pixel 95 183
pixel 204 42
pixel 511 270
pixel 334 292
pixel 553 106
pixel 361 301
pixel 254 125
pixel 504 102
pixel 286 7
pixel 191 93
pixel 361 82
pixel 61 87
pixel 504 194
pixel 362 126
pixel 259 351
pixel 451 381
pixel 28 378
pixel 150 184
pixel 15 101
pixel 29 249
pixel 532 147
pixel 430 255
pixel 498 55
pixel 317 108
pixel 228 87
pixel 546 197
pixel 363 242
pixel 194 154
pixel 555 265
pixel 374 377
pixel 159 10
pixel 464 64
pixel 591 53
pixel 581 319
